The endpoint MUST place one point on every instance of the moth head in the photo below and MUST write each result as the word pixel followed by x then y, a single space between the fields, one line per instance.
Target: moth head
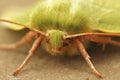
pixel 55 40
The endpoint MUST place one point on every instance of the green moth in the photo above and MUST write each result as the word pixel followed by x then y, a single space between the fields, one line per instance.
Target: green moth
pixel 62 26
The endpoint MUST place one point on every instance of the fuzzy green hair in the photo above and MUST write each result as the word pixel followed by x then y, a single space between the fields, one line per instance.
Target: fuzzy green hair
pixel 66 15
pixel 77 16
pixel 55 38
pixel 71 16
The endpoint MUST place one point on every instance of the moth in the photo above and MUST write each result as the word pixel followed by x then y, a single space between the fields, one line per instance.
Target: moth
pixel 62 26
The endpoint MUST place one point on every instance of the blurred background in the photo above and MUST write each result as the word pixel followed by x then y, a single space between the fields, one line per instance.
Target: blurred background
pixel 46 67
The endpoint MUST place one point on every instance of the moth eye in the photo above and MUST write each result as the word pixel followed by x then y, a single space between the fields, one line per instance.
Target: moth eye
pixel 47 40
pixel 65 44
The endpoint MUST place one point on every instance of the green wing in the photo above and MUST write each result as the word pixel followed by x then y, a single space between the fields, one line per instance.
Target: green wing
pixel 106 15
pixel 17 15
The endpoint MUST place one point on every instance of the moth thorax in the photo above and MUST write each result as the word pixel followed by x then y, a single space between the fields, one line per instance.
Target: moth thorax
pixel 55 38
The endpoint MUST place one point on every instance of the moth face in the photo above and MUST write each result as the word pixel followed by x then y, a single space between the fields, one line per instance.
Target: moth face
pixel 66 48
pixel 60 49
pixel 53 47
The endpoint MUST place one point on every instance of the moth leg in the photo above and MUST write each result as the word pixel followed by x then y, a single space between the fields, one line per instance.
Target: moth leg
pixel 102 39
pixel 35 46
pixel 86 57
pixel 27 38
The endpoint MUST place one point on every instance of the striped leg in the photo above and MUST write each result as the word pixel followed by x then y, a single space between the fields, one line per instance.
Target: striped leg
pixel 86 57
pixel 32 51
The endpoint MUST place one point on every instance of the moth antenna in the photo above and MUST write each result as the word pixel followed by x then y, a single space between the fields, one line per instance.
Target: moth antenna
pixel 12 22
pixel 16 23
pixel 94 33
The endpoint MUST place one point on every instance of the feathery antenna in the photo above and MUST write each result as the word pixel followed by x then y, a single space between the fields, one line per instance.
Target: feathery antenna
pixel 16 23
